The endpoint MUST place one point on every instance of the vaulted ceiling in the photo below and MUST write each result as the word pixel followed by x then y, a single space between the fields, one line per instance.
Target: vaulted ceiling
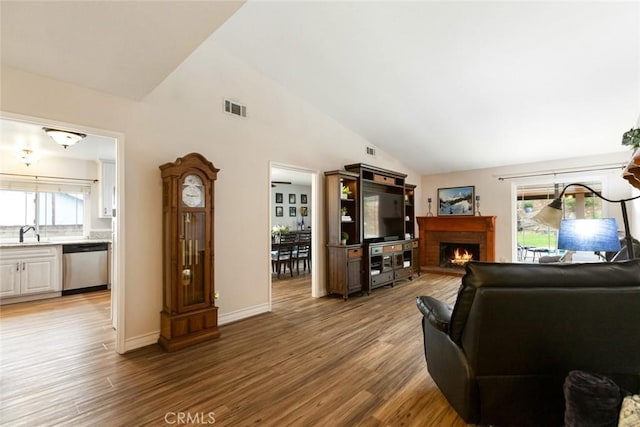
pixel 443 86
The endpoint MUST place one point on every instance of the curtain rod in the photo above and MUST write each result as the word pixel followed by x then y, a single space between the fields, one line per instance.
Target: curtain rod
pixel 563 172
pixel 49 177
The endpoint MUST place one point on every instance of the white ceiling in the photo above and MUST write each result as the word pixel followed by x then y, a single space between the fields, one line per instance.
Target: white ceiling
pixel 16 136
pixel 125 48
pixel 443 86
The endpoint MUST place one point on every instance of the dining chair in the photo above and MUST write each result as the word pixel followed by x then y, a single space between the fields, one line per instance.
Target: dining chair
pixel 303 251
pixel 284 253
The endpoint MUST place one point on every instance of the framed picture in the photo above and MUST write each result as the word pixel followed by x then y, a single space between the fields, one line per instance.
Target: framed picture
pixel 303 199
pixel 278 197
pixel 292 210
pixel 303 211
pixel 279 211
pixel 292 198
pixel 456 201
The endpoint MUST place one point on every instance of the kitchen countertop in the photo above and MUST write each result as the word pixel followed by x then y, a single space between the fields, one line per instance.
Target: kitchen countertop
pixel 32 243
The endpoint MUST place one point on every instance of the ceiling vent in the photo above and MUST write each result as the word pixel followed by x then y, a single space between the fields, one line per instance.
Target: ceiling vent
pixel 371 151
pixel 235 108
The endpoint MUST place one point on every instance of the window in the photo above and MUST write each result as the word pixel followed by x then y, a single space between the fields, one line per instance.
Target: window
pixel 578 202
pixel 57 211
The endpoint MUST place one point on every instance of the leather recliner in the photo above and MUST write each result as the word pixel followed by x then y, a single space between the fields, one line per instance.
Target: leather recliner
pixel 501 353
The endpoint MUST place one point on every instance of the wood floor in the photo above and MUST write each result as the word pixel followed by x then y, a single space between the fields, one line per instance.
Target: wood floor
pixel 311 362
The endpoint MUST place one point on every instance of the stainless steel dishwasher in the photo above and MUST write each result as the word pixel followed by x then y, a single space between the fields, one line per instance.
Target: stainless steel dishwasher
pixel 85 267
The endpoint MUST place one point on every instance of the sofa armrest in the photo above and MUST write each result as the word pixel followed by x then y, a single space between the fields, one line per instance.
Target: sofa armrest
pixel 446 361
pixel 437 312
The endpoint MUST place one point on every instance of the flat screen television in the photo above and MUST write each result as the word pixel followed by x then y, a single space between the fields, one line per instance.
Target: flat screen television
pixel 382 214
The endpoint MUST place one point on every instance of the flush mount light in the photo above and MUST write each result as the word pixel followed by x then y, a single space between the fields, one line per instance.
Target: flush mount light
pixel 64 137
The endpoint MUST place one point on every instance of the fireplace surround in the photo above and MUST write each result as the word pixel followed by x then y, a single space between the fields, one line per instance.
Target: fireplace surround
pixel 462 230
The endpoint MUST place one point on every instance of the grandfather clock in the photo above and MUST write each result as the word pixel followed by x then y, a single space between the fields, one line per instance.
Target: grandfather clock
pixel 189 314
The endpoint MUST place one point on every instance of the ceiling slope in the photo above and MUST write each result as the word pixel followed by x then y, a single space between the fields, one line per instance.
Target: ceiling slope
pixel 442 86
pixel 124 48
pixel 448 86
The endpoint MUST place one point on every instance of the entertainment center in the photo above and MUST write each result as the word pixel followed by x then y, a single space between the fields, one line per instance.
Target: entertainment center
pixel 370 218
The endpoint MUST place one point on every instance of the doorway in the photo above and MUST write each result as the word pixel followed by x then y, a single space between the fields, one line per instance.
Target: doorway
pixel 96 149
pixel 293 209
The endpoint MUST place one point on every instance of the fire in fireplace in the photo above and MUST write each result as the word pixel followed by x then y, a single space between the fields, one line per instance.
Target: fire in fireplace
pixel 456 255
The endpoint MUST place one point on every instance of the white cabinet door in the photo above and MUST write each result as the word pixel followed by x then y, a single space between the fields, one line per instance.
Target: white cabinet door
pixel 9 278
pixel 30 270
pixel 107 188
pixel 38 275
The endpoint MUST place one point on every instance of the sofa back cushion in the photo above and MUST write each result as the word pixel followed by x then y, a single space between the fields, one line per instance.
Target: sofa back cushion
pixel 530 318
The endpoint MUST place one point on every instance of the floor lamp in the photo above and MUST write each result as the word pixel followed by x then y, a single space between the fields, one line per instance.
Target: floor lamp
pixel 551 214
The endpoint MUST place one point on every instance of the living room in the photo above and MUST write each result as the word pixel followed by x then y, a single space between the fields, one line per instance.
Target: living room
pixel 181 111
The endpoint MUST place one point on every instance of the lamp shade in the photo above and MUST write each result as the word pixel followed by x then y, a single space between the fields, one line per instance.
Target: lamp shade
pixel 593 235
pixel 551 214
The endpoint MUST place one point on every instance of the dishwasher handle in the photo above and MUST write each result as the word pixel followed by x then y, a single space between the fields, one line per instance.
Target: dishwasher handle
pixel 84 247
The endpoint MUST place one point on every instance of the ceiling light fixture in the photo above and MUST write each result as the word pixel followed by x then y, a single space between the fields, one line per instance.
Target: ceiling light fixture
pixel 27 157
pixel 64 137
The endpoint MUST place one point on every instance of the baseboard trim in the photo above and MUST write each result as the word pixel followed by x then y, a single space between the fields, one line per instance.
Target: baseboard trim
pixel 140 341
pixel 234 316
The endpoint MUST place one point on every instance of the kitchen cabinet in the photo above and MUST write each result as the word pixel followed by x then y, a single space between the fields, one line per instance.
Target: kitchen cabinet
pixel 107 188
pixel 27 271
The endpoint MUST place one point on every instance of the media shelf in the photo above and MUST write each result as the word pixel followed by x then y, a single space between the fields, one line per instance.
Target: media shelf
pixel 373 208
pixel 390 262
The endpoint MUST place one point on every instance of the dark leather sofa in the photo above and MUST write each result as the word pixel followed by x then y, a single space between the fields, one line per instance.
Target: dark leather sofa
pixel 501 353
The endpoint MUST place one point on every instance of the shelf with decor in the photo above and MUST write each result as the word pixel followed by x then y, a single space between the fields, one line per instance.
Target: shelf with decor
pixel 632 171
pixel 344 246
pixel 410 210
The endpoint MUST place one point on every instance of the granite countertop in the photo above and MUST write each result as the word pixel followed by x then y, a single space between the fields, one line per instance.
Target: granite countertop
pixel 47 242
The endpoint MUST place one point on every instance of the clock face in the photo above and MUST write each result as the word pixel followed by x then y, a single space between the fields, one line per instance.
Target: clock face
pixel 193 192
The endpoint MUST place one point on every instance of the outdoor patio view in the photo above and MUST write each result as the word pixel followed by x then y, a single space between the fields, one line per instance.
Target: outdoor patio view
pixel 536 240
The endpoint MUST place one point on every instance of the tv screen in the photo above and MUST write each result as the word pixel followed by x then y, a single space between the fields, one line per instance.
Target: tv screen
pixel 382 214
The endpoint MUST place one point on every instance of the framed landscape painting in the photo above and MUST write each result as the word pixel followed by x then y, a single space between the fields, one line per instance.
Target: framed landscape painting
pixel 456 201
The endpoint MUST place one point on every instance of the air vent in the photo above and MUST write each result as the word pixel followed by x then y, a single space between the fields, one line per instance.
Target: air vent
pixel 235 108
pixel 371 151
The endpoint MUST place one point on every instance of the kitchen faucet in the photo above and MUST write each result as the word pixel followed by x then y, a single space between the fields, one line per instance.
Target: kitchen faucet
pixel 26 228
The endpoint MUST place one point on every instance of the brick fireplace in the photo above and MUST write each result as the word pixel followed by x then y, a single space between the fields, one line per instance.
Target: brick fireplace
pixel 463 230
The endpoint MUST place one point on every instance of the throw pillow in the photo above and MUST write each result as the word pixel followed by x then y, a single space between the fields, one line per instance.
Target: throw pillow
pixel 630 412
pixel 591 400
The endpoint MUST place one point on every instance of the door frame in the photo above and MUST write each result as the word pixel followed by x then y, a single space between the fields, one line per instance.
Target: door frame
pixel 315 221
pixel 118 244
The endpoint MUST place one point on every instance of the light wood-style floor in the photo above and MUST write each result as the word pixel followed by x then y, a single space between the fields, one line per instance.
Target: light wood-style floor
pixel 311 362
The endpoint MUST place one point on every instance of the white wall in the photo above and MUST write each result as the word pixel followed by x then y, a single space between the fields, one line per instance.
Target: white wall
pixel 183 115
pixel 497 195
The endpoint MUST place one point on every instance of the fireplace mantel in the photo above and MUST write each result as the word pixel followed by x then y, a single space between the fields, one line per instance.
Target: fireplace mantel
pixel 463 229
